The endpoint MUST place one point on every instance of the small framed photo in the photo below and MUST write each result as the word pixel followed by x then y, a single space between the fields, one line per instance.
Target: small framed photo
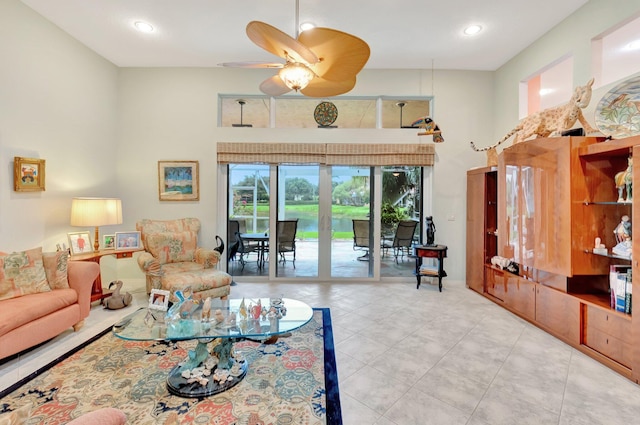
pixel 127 240
pixel 178 181
pixel 80 243
pixel 159 299
pixel 28 174
pixel 108 241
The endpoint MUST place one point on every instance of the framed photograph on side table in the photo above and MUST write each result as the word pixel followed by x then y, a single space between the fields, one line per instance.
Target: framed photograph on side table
pixel 178 181
pixel 127 240
pixel 108 241
pixel 28 174
pixel 80 243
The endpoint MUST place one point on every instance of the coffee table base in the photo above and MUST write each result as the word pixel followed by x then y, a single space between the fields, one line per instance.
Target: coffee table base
pixel 178 385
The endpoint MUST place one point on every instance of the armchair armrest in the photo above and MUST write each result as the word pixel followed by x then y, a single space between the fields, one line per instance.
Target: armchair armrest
pixel 148 264
pixel 207 257
pixel 81 275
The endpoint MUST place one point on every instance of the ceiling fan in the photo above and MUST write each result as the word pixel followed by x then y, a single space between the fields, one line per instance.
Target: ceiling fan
pixel 319 62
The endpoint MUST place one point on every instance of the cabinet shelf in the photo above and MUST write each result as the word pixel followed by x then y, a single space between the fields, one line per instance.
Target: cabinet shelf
pixel 617 257
pixel 629 204
pixel 602 301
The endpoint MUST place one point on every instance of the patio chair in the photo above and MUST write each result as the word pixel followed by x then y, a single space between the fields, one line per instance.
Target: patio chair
pixel 402 239
pixel 287 239
pixel 361 238
pixel 233 227
pixel 245 248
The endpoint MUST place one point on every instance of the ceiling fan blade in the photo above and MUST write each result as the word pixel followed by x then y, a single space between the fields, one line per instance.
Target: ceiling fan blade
pixel 319 87
pixel 341 55
pixel 250 64
pixel 274 86
pixel 280 44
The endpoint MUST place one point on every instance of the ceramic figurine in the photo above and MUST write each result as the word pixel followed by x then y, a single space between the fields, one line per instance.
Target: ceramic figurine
pixel 117 300
pixel 219 316
pixel 231 319
pixel 623 230
pixel 256 310
pixel 431 231
pixel 242 310
pixel 206 309
pixel 624 180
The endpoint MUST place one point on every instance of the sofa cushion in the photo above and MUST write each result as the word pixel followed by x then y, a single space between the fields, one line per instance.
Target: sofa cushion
pixel 173 247
pixel 22 273
pixel 55 268
pixel 15 312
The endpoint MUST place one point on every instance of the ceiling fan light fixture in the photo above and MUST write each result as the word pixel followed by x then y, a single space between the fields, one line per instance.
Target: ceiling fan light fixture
pixel 296 75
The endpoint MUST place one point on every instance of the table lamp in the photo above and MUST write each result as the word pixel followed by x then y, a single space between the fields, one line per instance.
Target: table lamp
pixel 96 212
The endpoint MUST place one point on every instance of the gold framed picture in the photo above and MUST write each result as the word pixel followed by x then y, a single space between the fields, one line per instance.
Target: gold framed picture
pixel 28 174
pixel 178 181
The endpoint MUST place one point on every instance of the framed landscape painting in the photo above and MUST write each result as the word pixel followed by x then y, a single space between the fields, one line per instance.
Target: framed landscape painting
pixel 28 174
pixel 178 181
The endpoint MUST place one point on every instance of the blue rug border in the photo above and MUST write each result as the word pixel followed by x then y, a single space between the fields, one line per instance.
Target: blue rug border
pixel 334 410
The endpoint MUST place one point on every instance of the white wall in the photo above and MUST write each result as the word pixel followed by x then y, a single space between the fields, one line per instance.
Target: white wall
pixel 58 103
pixel 171 114
pixel 572 36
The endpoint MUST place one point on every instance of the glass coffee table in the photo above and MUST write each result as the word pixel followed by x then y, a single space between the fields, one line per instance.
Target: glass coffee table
pixel 213 366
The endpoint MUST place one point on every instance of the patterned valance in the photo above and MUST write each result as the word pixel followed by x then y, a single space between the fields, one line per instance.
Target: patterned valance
pixel 326 153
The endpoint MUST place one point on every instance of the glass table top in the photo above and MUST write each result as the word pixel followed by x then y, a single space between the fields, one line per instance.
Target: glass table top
pixel 264 317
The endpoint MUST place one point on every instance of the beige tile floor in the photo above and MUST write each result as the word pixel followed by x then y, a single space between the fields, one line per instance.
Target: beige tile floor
pixel 408 356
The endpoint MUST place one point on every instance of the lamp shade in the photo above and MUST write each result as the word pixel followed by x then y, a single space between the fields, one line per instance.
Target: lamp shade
pixel 96 211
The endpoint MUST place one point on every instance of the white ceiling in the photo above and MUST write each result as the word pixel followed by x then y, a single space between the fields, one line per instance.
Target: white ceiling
pixel 402 34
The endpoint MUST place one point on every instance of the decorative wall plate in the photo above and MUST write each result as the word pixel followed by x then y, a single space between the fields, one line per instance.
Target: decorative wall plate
pixel 325 114
pixel 618 112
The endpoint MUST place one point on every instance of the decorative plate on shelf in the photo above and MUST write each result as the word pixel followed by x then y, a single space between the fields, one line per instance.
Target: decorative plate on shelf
pixel 618 112
pixel 325 114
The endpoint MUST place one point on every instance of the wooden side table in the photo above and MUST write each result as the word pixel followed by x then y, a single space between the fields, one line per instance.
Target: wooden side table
pixel 96 290
pixel 426 251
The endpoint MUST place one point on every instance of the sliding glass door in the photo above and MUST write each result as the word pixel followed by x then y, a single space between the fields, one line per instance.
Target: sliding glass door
pixel 323 222
pixel 351 228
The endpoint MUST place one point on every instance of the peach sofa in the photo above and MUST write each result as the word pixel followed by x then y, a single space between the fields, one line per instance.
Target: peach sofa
pixel 33 311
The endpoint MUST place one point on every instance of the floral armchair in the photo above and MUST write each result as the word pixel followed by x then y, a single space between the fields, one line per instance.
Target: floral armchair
pixel 173 260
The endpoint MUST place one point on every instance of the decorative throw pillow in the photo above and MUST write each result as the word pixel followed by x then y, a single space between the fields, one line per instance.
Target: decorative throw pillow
pixel 22 273
pixel 173 247
pixel 16 417
pixel 55 268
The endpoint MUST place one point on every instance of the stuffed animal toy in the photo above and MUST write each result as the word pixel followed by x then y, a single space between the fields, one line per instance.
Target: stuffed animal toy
pixel 117 300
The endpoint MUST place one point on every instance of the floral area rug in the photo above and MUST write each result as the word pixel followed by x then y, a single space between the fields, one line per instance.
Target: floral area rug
pixel 292 381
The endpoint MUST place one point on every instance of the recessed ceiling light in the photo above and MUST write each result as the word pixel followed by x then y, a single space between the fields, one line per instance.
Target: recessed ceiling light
pixel 472 29
pixel 306 26
pixel 634 45
pixel 143 26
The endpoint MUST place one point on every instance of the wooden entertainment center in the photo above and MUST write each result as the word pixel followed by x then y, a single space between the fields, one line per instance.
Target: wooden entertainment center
pixel 543 206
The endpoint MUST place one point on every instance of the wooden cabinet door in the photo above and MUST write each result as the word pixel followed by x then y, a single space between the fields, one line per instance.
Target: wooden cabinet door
pixel 558 313
pixel 475 229
pixel 521 297
pixel 608 333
